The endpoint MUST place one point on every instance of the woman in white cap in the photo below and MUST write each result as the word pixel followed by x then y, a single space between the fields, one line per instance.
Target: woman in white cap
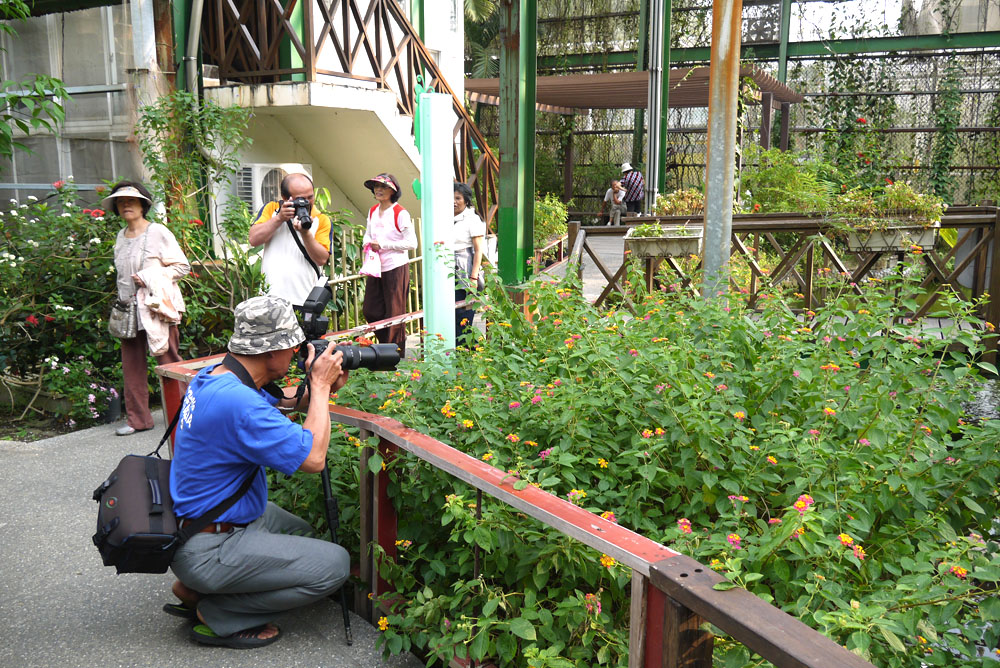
pixel 389 233
pixel 150 250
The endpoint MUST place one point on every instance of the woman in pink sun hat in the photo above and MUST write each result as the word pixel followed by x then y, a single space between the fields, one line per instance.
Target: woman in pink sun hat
pixel 391 236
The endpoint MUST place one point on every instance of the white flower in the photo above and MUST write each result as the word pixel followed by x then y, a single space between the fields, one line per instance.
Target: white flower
pixel 95 240
pixel 23 206
pixel 32 198
pixel 66 215
pixel 13 201
pixel 13 264
pixel 99 218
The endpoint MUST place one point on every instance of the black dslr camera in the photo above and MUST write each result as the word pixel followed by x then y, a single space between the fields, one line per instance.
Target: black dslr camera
pixel 376 357
pixel 303 212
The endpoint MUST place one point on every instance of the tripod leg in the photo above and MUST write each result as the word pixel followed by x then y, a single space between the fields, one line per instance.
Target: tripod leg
pixel 333 521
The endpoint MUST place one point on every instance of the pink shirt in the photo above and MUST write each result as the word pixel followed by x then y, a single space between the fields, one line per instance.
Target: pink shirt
pixel 394 235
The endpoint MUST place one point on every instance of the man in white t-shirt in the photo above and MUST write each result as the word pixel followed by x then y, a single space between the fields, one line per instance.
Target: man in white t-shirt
pixel 614 202
pixel 288 271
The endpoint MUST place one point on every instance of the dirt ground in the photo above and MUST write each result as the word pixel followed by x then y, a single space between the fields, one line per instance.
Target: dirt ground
pixel 30 427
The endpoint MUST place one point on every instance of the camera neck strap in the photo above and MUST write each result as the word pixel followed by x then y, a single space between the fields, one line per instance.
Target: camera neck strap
pixel 241 372
pixel 305 253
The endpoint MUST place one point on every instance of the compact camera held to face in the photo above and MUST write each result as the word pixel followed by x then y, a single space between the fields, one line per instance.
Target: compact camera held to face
pixel 303 212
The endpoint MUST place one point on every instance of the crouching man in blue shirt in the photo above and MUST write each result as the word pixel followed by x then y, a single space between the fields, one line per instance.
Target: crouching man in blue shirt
pixel 255 561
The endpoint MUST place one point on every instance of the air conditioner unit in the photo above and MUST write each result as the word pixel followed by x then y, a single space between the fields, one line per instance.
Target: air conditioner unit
pixel 259 183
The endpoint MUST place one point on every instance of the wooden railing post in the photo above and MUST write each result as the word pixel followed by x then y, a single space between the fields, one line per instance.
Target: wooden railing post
pixel 366 485
pixel 384 515
pixel 994 283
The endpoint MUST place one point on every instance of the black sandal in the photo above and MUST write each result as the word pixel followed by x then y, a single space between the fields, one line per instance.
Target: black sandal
pixel 245 639
pixel 180 610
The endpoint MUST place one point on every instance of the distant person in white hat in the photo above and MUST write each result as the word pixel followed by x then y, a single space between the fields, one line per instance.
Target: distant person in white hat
pixel 635 188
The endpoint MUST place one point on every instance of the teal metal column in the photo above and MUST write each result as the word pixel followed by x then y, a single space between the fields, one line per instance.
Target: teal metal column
pixel 515 220
pixel 436 211
pixel 786 19
pixel 640 65
pixel 182 17
pixel 526 136
pixel 661 182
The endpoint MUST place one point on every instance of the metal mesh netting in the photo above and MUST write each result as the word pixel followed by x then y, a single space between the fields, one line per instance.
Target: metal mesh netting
pixel 898 93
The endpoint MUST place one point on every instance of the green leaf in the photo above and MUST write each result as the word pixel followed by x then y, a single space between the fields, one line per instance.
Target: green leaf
pixel 725 585
pixel 522 628
pixel 506 647
pixel 987 573
pixel 490 607
pixel 520 484
pixel 972 505
pixel 892 639
pixel 375 463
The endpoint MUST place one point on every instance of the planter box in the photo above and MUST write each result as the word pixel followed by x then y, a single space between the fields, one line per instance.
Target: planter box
pixel 19 393
pixel 899 238
pixel 676 241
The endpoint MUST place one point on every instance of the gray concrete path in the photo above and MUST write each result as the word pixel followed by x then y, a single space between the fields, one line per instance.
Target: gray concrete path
pixel 60 607
pixel 611 250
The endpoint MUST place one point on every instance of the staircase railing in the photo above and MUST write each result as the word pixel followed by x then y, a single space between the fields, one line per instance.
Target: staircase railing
pixel 270 41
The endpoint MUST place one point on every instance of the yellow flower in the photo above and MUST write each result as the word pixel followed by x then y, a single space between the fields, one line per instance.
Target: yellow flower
pixel 603 463
pixel 383 623
pixel 467 424
pixel 488 456
pixel 607 561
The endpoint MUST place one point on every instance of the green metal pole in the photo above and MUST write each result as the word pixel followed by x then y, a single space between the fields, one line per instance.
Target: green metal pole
pixel 640 65
pixel 182 17
pixel 288 56
pixel 507 236
pixel 786 20
pixel 661 171
pixel 526 137
pixel 417 18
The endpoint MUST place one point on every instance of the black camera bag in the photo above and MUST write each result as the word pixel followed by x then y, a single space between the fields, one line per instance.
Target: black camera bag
pixel 136 528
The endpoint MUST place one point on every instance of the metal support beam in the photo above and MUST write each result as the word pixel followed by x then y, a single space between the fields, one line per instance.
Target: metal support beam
pixel 786 19
pixel 723 93
pixel 661 172
pixel 639 122
pixel 766 103
pixel 517 117
pixel 658 81
pixel 815 49
pixel 786 112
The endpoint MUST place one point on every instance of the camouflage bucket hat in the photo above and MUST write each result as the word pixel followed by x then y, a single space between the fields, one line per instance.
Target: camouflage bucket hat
pixel 264 324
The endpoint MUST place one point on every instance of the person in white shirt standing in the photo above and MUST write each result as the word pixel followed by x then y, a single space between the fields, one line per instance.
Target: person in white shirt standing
pixel 294 251
pixel 389 232
pixel 468 245
pixel 614 201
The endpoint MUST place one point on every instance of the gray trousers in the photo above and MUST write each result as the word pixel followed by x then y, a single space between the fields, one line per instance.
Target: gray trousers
pixel 249 575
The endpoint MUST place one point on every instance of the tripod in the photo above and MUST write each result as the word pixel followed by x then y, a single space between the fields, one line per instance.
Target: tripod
pixel 333 521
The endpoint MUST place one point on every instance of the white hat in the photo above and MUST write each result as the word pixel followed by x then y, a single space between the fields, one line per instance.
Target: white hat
pixel 126 191
pixel 626 167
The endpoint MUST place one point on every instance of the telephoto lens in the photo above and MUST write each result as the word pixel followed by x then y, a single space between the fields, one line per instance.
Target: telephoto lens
pixel 376 357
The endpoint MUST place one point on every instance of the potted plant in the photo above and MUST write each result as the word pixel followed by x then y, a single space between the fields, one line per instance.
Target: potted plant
pixel 895 219
pixel 656 240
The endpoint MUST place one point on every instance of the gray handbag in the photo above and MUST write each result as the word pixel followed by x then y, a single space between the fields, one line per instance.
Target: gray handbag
pixel 123 322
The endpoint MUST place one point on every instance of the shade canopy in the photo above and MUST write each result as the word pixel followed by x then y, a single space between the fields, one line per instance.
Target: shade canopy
pixel 625 90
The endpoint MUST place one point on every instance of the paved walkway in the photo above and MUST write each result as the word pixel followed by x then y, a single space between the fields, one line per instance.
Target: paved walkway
pixel 60 607
pixel 611 250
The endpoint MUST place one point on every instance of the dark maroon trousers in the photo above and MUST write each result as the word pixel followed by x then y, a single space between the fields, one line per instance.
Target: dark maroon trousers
pixel 384 298
pixel 135 370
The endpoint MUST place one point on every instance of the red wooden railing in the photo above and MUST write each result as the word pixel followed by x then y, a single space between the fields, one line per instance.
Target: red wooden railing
pixel 266 41
pixel 672 595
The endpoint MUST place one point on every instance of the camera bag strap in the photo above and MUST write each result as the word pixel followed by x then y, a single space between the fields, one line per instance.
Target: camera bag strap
pixel 305 253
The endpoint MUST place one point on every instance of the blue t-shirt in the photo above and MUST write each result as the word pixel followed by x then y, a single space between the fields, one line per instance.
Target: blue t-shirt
pixel 226 431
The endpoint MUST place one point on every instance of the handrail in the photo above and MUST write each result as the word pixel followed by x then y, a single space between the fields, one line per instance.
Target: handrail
pixel 249 39
pixel 674 587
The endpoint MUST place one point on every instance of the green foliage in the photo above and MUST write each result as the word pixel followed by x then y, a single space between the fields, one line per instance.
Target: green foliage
pixel 33 103
pixel 947 116
pixel 878 208
pixel 782 445
pixel 551 215
pixel 680 203
pixel 774 181
pixel 57 282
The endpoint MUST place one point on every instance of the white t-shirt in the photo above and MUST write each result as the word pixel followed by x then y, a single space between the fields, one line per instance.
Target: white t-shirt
pixel 394 235
pixel 468 224
pixel 609 196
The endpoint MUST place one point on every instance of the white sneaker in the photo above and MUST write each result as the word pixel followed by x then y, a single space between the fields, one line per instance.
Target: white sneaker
pixel 124 430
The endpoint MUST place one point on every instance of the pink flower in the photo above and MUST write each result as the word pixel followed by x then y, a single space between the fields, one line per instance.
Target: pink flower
pixel 734 540
pixel 633 352
pixel 557 382
pixel 795 373
pixel 814 433
pixel 32 320
pixel 684 524
pixel 515 404
pixel 774 520
pixel 59 184
pixel 721 387
pixel 545 453
pixel 536 399
pixel 864 441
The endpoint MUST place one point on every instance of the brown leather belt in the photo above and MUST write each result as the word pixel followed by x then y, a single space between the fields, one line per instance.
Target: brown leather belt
pixel 215 527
